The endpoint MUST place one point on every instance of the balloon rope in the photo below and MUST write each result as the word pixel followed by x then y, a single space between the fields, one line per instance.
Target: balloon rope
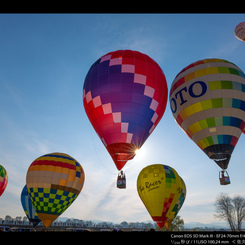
pixel 215 165
pixel 98 153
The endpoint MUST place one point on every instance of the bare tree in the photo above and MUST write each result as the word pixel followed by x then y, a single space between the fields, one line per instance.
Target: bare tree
pixel 232 210
pixel 239 205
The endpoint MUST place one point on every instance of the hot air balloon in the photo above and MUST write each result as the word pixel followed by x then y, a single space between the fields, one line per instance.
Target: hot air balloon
pixel 28 207
pixel 240 31
pixel 173 213
pixel 3 179
pixel 207 101
pixel 159 187
pixel 124 95
pixel 53 182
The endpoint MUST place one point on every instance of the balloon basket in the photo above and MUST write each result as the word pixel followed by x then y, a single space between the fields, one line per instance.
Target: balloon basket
pixel 121 180
pixel 224 178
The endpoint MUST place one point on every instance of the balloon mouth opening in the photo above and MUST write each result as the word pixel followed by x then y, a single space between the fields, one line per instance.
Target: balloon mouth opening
pixel 221 159
pixel 47 219
pixel 221 154
pixel 121 153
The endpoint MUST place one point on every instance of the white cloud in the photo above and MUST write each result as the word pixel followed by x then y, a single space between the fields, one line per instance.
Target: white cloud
pixel 195 199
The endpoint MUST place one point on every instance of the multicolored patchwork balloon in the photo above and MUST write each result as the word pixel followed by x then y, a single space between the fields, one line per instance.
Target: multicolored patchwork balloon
pixel 28 207
pixel 207 101
pixel 53 182
pixel 173 213
pixel 3 179
pixel 159 187
pixel 124 95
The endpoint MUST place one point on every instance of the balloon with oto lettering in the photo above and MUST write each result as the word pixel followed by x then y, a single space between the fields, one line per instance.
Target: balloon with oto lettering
pixel 207 101
pixel 159 187
pixel 124 96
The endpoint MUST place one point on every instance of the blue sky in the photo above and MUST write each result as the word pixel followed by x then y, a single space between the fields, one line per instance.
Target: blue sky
pixel 44 59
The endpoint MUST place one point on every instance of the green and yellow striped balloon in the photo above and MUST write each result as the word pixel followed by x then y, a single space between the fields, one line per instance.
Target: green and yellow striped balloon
pixel 208 102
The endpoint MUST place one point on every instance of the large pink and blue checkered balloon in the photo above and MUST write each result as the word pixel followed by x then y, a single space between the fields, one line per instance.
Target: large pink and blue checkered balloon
pixel 124 95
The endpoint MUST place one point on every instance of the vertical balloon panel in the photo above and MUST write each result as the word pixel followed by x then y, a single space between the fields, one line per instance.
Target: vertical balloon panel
pixel 173 213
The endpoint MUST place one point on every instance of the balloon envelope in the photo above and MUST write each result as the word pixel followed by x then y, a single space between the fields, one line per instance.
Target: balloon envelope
pixel 124 95
pixel 159 187
pixel 207 102
pixel 240 31
pixel 53 182
pixel 3 179
pixel 28 207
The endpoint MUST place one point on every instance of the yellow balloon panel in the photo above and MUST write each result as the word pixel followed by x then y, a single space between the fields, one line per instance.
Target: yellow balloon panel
pixel 159 187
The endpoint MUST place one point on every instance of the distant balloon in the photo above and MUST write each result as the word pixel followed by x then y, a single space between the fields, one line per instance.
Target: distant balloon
pixel 3 179
pixel 240 31
pixel 173 213
pixel 28 207
pixel 53 182
pixel 207 101
pixel 159 187
pixel 124 95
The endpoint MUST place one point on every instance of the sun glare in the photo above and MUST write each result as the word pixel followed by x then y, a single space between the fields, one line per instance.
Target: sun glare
pixel 136 151
pixel 140 154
